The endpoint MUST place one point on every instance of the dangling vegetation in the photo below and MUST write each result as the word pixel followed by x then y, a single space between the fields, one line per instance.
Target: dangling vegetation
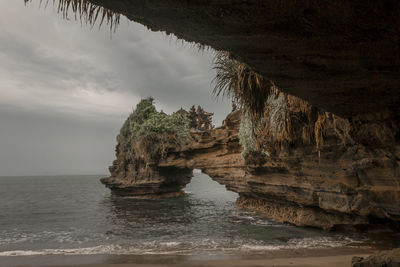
pixel 271 120
pixel 247 138
pixel 238 81
pixel 246 88
pixel 150 133
pixel 86 11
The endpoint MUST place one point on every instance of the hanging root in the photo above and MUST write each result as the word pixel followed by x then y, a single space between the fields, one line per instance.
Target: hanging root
pixel 238 81
pixel 86 12
pixel 272 120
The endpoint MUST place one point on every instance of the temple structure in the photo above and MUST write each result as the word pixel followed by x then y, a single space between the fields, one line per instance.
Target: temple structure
pixel 199 118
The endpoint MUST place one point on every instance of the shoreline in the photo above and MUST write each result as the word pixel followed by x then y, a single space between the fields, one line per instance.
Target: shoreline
pixel 300 257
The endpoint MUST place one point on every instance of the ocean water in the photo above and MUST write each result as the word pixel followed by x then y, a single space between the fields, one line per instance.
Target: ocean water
pixel 76 215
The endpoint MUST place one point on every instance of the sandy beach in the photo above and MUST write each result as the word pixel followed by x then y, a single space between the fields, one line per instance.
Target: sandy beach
pixel 334 261
pixel 324 257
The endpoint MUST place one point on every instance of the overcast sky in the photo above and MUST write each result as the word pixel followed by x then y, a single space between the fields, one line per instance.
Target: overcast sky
pixel 65 89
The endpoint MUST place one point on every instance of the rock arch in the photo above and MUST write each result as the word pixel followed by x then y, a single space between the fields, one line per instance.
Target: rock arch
pixel 344 185
pixel 210 151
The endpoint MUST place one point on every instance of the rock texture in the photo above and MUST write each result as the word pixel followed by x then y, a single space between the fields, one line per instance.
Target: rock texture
pixel 348 181
pixel 165 178
pixel 132 176
pixel 381 259
pixel 343 56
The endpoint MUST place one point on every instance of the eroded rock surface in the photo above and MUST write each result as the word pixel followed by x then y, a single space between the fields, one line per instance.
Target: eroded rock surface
pixel 389 258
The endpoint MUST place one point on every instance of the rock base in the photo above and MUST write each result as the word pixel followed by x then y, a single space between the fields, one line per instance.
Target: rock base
pixel 389 258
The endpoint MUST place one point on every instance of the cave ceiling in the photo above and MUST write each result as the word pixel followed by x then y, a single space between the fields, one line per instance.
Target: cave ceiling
pixel 342 56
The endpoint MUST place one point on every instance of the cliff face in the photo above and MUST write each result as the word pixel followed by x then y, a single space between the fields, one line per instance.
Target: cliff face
pixel 344 183
pixel 347 180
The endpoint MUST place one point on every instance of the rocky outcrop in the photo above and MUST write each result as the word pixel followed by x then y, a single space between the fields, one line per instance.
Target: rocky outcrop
pixel 343 56
pixel 131 176
pixel 347 181
pixel 207 150
pixel 380 259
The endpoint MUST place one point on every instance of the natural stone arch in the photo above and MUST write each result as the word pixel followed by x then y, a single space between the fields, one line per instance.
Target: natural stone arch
pixel 343 184
pixel 210 150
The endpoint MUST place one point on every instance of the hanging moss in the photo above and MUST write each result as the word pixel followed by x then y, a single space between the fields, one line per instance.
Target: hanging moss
pixel 272 121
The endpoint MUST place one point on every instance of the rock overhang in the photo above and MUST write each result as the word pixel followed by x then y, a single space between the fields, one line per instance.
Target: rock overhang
pixel 342 56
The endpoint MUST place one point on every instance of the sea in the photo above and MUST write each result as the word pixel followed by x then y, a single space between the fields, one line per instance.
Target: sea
pixel 77 215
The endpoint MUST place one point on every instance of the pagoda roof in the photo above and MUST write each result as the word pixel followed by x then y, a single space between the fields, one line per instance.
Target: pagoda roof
pixel 182 112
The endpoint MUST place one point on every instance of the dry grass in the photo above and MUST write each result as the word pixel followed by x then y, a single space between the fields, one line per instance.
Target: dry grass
pixel 86 12
pixel 241 83
pixel 274 121
pixel 290 121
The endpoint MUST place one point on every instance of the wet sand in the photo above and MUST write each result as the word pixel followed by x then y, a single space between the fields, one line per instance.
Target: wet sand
pixel 314 257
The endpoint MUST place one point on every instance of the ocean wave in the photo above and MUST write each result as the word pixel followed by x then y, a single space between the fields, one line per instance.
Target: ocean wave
pixel 208 246
pixel 98 250
pixel 74 236
pixel 103 249
pixel 305 243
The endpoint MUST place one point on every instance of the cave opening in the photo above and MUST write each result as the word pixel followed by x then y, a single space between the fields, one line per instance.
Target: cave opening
pixel 204 187
pixel 351 177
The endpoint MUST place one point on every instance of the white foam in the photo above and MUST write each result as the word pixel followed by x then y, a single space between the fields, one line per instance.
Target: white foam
pixel 170 244
pixel 261 248
pixel 189 248
pixel 103 249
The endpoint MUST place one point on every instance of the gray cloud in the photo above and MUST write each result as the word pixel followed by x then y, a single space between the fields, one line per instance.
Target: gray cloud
pixel 67 84
pixel 40 144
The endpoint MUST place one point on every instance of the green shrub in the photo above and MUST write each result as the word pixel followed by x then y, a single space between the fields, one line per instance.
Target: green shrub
pixel 149 132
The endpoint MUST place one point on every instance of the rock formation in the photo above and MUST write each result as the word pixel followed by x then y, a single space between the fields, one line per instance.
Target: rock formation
pixel 133 176
pixel 146 137
pixel 379 259
pixel 331 172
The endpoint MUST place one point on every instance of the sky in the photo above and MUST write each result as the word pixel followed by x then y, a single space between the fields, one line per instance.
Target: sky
pixel 66 88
